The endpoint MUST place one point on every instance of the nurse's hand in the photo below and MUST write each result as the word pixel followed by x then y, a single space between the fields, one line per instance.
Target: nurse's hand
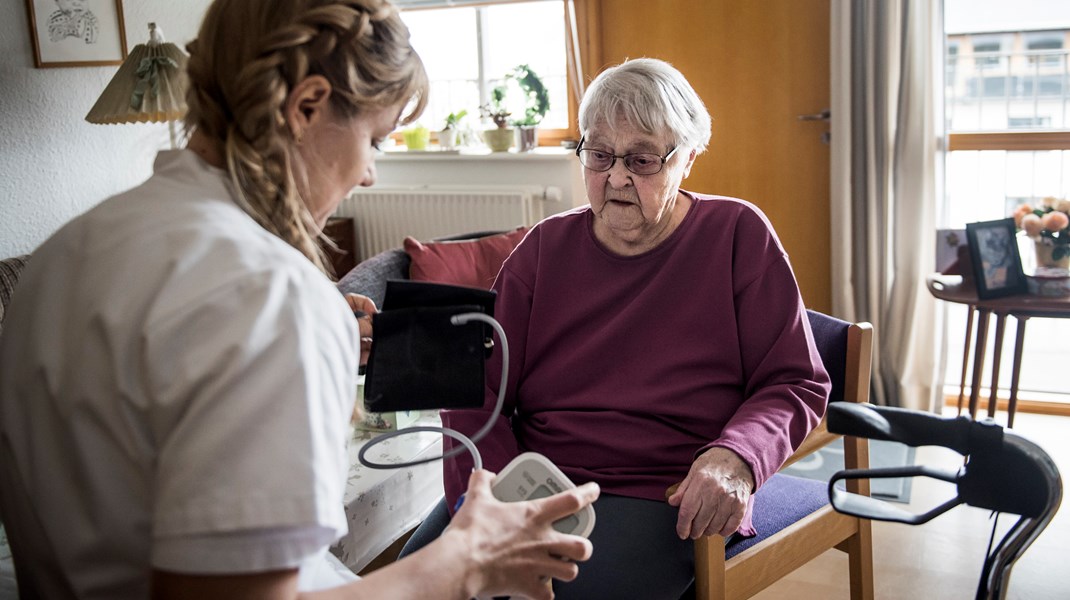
pixel 363 308
pixel 512 549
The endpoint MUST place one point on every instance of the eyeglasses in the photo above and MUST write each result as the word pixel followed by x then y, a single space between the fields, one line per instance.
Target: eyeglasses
pixel 642 163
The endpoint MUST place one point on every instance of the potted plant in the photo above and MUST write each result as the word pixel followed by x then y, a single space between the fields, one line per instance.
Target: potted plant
pixel 447 138
pixel 416 137
pixel 501 137
pixel 536 103
pixel 1048 225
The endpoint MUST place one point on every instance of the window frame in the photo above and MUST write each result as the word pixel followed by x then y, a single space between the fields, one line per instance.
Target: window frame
pixel 547 136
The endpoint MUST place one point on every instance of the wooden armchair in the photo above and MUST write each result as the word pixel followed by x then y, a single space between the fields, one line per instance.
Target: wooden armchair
pixel 794 519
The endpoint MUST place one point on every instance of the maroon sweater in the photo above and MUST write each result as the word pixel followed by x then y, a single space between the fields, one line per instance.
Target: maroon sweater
pixel 623 369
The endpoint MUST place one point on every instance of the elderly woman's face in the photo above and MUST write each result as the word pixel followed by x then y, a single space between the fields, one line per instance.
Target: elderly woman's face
pixel 634 213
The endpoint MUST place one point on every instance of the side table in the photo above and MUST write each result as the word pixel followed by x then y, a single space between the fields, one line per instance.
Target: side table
pixel 342 232
pixel 383 505
pixel 952 288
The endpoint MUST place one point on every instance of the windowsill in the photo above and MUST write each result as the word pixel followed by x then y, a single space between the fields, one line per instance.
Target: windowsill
pixel 542 153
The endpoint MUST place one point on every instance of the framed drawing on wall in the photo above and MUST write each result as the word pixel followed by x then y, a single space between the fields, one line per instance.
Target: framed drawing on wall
pixel 76 33
pixel 997 267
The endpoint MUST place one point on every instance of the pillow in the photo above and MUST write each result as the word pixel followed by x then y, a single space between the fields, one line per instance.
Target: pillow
pixel 472 263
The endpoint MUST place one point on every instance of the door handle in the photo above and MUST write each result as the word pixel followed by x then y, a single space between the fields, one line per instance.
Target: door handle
pixel 824 115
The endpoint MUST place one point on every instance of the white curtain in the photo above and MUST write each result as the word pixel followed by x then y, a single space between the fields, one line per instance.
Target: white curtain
pixel 885 134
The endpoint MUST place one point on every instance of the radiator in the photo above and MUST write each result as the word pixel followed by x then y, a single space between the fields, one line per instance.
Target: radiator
pixel 384 215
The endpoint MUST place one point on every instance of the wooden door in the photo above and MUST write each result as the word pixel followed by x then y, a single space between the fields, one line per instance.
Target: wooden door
pixel 757 66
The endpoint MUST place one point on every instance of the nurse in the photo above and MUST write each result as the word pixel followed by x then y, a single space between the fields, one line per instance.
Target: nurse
pixel 177 373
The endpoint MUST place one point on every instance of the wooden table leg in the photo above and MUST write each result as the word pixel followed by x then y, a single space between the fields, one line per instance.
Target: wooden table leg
pixel 979 358
pixel 970 310
pixel 997 354
pixel 1016 369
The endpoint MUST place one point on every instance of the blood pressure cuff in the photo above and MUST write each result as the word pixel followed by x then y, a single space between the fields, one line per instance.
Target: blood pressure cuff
pixel 419 359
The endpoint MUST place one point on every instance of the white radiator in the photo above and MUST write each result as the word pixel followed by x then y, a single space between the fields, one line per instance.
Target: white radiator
pixel 384 215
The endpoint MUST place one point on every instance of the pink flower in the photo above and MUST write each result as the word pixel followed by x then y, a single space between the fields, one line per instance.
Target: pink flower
pixel 1021 211
pixel 1055 221
pixel 1031 225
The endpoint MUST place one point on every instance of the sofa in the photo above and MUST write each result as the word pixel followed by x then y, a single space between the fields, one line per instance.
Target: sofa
pixel 10 270
pixel 471 259
pixel 467 259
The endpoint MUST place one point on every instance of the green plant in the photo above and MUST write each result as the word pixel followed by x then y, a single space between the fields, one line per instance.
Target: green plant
pixel 536 98
pixel 454 119
pixel 495 109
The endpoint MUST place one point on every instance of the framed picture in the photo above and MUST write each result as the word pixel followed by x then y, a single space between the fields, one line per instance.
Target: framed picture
pixel 952 253
pixel 76 33
pixel 997 267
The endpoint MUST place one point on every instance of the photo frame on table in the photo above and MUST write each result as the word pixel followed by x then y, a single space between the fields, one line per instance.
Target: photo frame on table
pixel 997 266
pixel 76 33
pixel 952 252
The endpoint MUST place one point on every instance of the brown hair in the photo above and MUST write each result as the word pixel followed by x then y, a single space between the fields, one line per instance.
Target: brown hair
pixel 248 56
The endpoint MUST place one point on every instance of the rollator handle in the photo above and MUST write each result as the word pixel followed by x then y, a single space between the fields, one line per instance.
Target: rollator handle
pixel 913 428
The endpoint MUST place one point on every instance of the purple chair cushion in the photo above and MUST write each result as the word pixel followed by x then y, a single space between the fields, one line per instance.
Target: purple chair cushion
pixel 783 500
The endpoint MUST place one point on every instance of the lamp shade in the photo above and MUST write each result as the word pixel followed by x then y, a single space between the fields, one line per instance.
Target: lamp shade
pixel 149 86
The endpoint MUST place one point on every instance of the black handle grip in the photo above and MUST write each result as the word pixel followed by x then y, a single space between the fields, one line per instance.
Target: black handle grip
pixel 867 507
pixel 880 510
pixel 912 427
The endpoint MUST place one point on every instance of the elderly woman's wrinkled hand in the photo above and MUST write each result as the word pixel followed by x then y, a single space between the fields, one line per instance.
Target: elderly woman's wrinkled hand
pixel 514 549
pixel 713 497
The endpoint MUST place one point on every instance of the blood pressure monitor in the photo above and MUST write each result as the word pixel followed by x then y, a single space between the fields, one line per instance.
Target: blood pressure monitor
pixel 531 476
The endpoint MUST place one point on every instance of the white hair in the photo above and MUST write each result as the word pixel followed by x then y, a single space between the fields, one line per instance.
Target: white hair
pixel 651 95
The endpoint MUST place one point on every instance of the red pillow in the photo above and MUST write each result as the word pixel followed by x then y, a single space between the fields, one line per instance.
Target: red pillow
pixel 472 263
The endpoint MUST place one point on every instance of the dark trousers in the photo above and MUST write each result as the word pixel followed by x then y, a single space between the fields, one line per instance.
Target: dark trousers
pixel 636 552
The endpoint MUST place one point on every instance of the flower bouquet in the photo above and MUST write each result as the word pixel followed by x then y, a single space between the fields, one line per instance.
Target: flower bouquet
pixel 1048 225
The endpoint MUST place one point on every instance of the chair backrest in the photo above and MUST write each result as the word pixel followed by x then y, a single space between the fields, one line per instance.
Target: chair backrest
pixel 830 336
pixel 847 351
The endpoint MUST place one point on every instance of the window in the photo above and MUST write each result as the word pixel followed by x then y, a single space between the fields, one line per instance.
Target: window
pixel 1007 109
pixel 469 50
pixel 1028 122
pixel 1043 47
pixel 987 52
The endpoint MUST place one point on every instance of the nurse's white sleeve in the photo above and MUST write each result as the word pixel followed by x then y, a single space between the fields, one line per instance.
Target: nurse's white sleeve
pixel 253 388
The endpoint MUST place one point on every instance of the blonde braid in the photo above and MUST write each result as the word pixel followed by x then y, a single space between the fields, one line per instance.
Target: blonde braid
pixel 238 97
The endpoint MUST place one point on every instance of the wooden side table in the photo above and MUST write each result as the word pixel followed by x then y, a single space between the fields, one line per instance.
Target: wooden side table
pixel 342 232
pixel 1022 307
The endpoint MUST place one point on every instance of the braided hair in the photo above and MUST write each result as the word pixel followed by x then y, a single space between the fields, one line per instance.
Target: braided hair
pixel 249 55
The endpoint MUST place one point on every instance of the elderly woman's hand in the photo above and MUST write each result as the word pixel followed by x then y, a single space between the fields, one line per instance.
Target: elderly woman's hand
pixel 512 547
pixel 363 308
pixel 713 497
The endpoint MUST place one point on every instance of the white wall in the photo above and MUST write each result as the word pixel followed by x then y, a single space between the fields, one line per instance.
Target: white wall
pixel 53 164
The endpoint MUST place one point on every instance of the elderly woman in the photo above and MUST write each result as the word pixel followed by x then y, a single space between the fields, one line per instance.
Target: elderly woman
pixel 659 337
pixel 179 374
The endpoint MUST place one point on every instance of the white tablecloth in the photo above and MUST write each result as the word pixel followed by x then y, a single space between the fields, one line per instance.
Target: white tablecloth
pixel 382 505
